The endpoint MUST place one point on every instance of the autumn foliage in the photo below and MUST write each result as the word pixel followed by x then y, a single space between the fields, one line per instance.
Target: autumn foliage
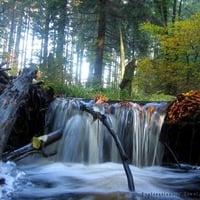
pixel 174 63
pixel 100 99
pixel 187 105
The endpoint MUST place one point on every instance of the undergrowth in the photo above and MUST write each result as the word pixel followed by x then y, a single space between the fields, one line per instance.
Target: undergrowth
pixel 112 93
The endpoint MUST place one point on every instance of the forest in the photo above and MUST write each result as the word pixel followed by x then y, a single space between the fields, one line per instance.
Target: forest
pixel 125 49
pixel 133 65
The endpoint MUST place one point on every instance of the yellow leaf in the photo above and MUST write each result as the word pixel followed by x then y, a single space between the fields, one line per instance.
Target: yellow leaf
pixel 36 142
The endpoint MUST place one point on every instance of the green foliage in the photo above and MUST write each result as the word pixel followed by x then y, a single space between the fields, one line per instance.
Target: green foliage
pixel 112 93
pixel 175 69
pixel 124 94
pixel 160 97
pixel 58 86
pixel 14 70
pixel 80 91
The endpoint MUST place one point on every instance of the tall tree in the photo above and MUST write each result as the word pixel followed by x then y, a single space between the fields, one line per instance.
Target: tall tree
pixel 47 21
pixel 98 67
pixel 77 30
pixel 12 26
pixel 162 9
pixel 4 10
pixel 61 23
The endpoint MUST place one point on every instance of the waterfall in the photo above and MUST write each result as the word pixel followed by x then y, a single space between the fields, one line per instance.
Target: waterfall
pixel 87 164
pixel 86 140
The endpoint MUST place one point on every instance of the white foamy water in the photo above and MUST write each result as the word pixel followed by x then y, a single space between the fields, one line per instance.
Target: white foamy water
pixel 88 140
pixel 87 165
pixel 11 180
pixel 59 180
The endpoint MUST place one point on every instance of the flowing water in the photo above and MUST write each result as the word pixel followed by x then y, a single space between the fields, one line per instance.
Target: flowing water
pixel 87 164
pixel 88 140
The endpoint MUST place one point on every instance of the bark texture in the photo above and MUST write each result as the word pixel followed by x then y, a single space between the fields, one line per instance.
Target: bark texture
pixel 11 99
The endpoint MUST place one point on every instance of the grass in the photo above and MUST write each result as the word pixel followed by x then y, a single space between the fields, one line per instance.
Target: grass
pixel 112 93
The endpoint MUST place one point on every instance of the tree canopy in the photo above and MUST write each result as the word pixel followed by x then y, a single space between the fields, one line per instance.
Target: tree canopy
pixel 175 68
pixel 88 43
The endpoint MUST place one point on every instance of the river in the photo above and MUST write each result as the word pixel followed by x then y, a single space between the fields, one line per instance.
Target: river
pixel 87 164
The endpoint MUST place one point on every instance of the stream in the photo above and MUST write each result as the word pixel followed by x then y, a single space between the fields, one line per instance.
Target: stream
pixel 87 164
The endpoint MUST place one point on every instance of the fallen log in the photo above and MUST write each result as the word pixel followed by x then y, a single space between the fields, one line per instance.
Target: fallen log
pixel 12 97
pixel 33 147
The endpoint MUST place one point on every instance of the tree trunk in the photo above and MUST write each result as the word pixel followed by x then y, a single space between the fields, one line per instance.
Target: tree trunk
pixel 180 9
pixel 46 42
pixel 126 83
pixel 61 39
pixel 164 12
pixel 98 68
pixel 18 39
pixel 174 13
pixel 27 32
pixel 12 27
pixel 122 54
pixel 46 39
pixel 11 100
pixel 162 6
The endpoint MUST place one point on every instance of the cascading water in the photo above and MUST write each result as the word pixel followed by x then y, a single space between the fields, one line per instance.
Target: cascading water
pixel 87 140
pixel 87 165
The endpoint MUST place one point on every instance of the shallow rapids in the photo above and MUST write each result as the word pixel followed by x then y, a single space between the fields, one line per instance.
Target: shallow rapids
pixel 87 165
pixel 58 180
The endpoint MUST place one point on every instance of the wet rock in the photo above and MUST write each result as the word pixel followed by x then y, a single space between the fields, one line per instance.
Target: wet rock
pixel 181 129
